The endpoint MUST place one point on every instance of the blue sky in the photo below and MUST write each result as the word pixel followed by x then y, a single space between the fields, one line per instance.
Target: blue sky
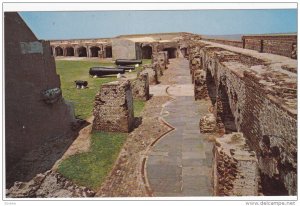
pixel 70 25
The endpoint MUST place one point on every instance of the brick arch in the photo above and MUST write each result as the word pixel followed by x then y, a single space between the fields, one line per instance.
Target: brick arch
pixel 108 51
pixel 147 51
pixel 94 51
pixel 59 51
pixel 82 51
pixel 69 51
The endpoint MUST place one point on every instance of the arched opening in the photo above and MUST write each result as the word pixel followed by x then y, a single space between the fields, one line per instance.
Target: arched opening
pixel 82 52
pixel 146 52
pixel 224 112
pixel 69 51
pixel 183 52
pixel 211 87
pixel 94 51
pixel 171 52
pixel 59 51
pixel 108 52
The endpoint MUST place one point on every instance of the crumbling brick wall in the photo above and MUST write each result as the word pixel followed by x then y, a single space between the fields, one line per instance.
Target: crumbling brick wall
pixel 34 108
pixel 140 87
pixel 227 42
pixel 257 97
pixel 152 73
pixel 113 109
pixel 161 59
pixel 235 168
pixel 274 44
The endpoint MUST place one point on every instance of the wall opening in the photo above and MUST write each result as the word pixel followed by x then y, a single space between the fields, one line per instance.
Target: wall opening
pixel 59 51
pixel 146 52
pixel 108 52
pixel 183 52
pixel 171 52
pixel 69 51
pixel 51 51
pixel 224 112
pixel 94 51
pixel 82 52
pixel 211 87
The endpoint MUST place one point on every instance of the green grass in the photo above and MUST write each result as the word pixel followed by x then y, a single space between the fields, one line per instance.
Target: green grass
pixel 90 169
pixel 138 106
pixel 145 61
pixel 83 99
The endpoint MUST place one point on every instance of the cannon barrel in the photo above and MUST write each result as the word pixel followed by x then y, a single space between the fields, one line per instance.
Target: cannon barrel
pixel 100 71
pixel 126 67
pixel 125 62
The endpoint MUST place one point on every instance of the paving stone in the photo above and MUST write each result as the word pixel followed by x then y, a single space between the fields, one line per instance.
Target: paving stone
pixel 195 183
pixel 194 162
pixel 196 171
pixel 161 171
pixel 193 155
pixel 165 160
pixel 166 185
pixel 187 164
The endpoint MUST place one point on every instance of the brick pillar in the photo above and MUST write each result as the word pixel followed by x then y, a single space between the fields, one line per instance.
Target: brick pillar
pixel 140 87
pixel 76 51
pixel 113 109
pixel 235 167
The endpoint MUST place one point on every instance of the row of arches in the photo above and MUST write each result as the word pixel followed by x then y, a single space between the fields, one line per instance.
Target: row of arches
pixel 82 51
pixel 220 99
pixel 147 52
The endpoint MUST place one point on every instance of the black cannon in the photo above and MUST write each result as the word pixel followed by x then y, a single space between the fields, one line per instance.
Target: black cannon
pixel 125 62
pixel 101 71
pixel 81 84
pixel 126 67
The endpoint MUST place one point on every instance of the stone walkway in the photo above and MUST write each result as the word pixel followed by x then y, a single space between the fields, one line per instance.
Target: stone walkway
pixel 180 163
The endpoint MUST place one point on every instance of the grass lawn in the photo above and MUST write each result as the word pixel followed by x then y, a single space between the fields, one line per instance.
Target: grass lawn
pixel 90 169
pixel 83 99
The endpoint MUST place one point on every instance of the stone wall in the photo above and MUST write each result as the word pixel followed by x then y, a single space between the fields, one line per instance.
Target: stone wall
pixel 113 108
pixel 255 94
pixel 34 108
pixel 152 73
pixel 140 87
pixel 227 42
pixel 285 45
pixel 123 49
pixel 160 61
pixel 235 169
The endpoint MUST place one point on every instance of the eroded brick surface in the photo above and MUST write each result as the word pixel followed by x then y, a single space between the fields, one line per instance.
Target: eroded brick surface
pixel 235 167
pixel 113 109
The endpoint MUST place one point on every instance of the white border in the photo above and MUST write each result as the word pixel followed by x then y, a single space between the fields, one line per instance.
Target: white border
pixel 8 6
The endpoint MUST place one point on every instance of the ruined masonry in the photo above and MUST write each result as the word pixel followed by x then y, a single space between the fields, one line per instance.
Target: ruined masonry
pixel 207 123
pixel 140 87
pixel 160 60
pixel 48 185
pixel 255 94
pixel 235 168
pixel 113 109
